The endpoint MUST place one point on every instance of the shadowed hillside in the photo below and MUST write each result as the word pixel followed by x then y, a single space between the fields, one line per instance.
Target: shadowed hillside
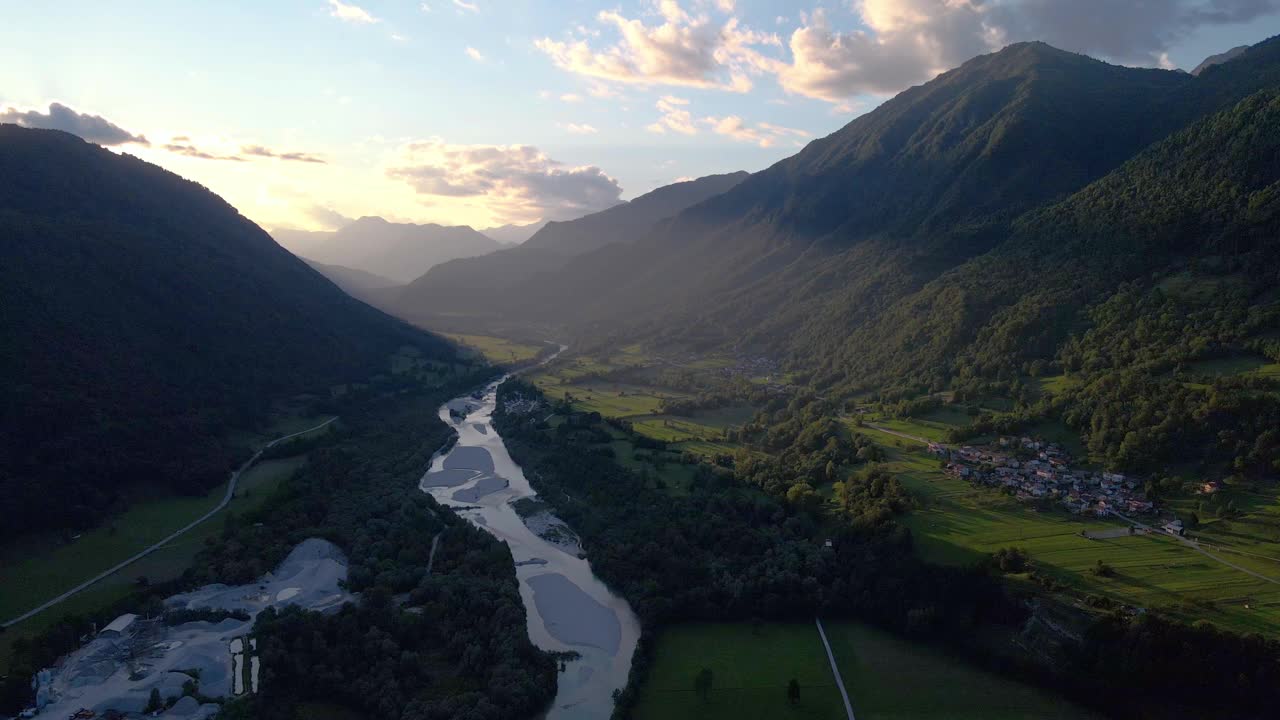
pixel 144 320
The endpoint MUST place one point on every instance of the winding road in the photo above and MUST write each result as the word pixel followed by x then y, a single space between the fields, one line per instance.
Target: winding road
pixel 226 499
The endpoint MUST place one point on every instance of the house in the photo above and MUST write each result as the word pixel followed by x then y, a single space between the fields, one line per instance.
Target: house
pixel 1210 487
pixel 1174 527
pixel 119 625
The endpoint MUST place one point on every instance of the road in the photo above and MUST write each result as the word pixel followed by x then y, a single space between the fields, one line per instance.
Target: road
pixel 1196 546
pixel 226 499
pixel 831 658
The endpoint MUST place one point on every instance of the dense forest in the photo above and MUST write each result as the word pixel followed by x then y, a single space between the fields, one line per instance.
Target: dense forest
pixel 144 320
pixel 418 646
pixel 729 551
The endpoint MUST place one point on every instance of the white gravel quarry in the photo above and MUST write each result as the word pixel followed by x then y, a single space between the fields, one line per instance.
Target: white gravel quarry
pixel 118 669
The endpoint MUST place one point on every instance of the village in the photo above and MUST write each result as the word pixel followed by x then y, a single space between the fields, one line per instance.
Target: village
pixel 1034 470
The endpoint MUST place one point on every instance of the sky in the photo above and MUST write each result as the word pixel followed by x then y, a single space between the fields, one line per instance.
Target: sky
pixel 305 113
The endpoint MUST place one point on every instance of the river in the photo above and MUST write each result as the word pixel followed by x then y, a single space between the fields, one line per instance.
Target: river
pixel 568 608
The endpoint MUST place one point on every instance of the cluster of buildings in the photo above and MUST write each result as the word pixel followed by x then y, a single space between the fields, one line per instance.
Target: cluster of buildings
pixel 1039 471
pixel 518 404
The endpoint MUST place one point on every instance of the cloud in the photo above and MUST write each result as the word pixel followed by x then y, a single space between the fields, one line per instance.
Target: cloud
pixel 467 6
pixel 888 46
pixel 684 50
pixel 579 128
pixel 675 117
pixel 763 134
pixel 261 151
pixel 185 146
pixel 94 128
pixel 350 13
pixel 329 218
pixel 182 146
pixel 907 42
pixel 475 54
pixel 602 91
pixel 515 182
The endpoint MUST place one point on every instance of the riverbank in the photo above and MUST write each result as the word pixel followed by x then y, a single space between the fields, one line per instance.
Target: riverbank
pixel 568 609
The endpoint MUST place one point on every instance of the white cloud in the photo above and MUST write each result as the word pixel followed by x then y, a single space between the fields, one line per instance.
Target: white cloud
pixel 763 134
pixel 571 98
pixel 891 44
pixel 467 6
pixel 424 8
pixel 909 41
pixel 602 91
pixel 675 117
pixel 579 128
pixel 475 54
pixel 350 13
pixel 513 182
pixel 684 50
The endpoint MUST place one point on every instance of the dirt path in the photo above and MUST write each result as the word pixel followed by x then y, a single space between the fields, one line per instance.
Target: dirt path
pixel 916 438
pixel 226 499
pixel 831 658
pixel 1196 546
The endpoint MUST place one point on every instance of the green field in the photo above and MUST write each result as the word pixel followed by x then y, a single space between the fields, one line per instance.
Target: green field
pixel 58 567
pixel 887 678
pixel 751 670
pixel 960 524
pixel 498 350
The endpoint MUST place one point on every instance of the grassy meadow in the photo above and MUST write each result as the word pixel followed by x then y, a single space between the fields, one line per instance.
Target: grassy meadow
pixel 499 351
pixel 48 567
pixel 887 678
pixel 957 523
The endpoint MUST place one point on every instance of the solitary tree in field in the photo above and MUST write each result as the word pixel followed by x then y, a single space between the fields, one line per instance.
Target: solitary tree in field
pixel 702 684
pixel 793 691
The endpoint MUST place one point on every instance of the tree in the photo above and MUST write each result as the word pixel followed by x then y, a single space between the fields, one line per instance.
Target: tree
pixel 793 691
pixel 702 683
pixel 154 703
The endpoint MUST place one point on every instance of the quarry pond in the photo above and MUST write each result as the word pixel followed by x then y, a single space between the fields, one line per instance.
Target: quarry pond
pixel 568 608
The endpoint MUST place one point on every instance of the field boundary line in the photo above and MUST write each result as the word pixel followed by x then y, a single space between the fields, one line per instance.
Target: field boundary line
pixel 844 694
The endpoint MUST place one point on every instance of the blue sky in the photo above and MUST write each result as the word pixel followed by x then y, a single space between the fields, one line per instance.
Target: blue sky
pixel 487 111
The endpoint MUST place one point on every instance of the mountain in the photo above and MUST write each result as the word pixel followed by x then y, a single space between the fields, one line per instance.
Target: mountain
pixel 513 234
pixel 479 286
pixel 400 251
pixel 1220 58
pixel 935 171
pixel 935 243
pixel 631 220
pixel 145 320
pixel 356 283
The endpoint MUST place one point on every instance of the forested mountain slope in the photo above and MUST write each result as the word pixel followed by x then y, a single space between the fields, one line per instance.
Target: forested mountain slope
pixel 144 318
pixel 1171 260
pixel 873 212
pixel 487 285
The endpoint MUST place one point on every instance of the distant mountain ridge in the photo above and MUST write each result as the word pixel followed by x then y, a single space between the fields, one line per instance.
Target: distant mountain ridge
pixel 145 319
pixel 513 234
pixel 399 251
pixel 1220 58
pixel 481 285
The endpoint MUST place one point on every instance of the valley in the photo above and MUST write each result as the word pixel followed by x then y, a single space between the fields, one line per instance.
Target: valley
pixel 901 360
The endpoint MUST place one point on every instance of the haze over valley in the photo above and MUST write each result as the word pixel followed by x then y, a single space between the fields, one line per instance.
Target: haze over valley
pixel 899 359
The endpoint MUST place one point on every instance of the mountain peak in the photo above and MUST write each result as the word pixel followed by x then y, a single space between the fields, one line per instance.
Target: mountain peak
pixel 1219 59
